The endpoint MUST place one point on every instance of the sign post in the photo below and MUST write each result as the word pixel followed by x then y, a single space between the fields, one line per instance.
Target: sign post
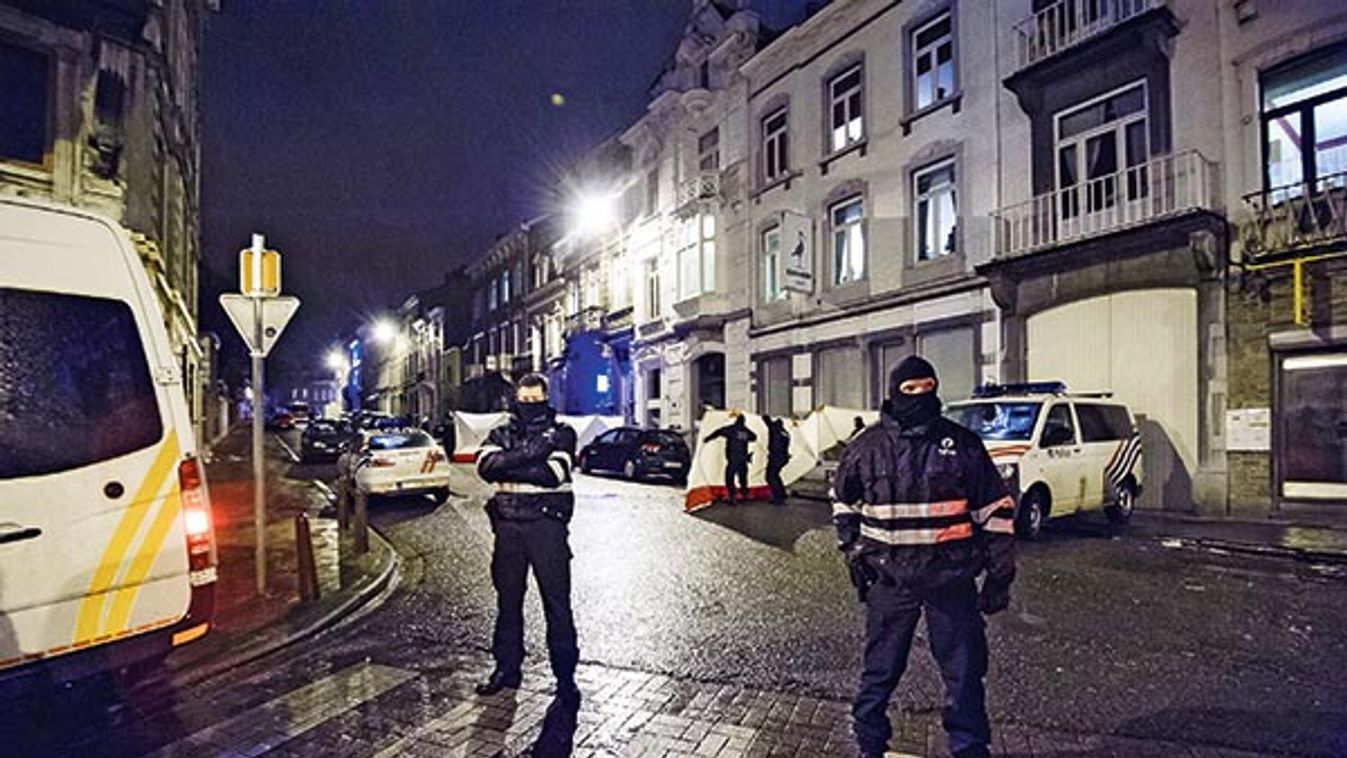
pixel 259 314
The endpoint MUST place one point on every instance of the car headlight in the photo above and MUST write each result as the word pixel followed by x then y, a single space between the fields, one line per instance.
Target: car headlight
pixel 1007 470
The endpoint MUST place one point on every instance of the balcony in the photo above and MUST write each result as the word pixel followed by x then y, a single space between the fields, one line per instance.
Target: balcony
pixel 703 186
pixel 1294 219
pixel 1163 187
pixel 1067 23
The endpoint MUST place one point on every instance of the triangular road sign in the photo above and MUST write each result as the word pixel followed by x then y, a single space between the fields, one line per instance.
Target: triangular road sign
pixel 275 313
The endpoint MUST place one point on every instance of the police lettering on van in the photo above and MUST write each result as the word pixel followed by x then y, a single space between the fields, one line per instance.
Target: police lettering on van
pixel 107 553
pixel 1061 453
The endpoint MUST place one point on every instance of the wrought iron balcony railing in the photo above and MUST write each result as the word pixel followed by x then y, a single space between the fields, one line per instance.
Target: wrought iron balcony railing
pixel 1162 187
pixel 1067 23
pixel 1294 217
pixel 703 186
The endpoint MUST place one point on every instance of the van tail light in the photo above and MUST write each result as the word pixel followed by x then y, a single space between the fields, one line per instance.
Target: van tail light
pixel 196 516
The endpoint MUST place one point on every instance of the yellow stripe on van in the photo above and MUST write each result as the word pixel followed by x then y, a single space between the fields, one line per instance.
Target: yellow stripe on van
pixel 120 614
pixel 86 625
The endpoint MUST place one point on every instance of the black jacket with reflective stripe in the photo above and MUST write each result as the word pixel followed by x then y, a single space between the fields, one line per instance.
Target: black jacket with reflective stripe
pixel 927 498
pixel 531 463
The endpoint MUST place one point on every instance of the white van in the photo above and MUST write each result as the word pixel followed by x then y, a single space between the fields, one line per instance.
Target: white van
pixel 107 552
pixel 1060 453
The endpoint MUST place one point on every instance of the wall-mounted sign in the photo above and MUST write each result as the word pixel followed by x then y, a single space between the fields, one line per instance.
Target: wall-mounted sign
pixel 1248 429
pixel 797 246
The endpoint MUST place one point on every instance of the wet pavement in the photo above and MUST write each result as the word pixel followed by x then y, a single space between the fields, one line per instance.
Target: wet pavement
pixel 734 632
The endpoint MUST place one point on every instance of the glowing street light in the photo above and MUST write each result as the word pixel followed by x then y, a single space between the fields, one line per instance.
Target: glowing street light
pixel 384 331
pixel 336 360
pixel 594 213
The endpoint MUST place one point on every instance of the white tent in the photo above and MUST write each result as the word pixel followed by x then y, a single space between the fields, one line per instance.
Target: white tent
pixel 817 433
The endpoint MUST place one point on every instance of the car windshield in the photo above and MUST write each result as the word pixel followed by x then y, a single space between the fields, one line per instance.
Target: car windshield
pixel 400 441
pixel 1009 421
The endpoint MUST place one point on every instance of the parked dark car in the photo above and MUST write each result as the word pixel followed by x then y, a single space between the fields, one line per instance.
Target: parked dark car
pixel 638 454
pixel 322 439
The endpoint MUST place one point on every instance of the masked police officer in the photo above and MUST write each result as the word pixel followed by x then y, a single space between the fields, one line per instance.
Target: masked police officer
pixel 737 437
pixel 529 460
pixel 920 511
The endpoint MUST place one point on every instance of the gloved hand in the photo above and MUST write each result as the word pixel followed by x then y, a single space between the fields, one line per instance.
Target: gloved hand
pixel 859 570
pixel 994 596
pixel 535 448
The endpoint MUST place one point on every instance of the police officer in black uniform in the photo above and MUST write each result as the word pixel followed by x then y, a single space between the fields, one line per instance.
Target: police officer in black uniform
pixel 778 455
pixel 737 438
pixel 920 511
pixel 529 460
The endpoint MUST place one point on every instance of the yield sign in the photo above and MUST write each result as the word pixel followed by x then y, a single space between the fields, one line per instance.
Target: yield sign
pixel 275 313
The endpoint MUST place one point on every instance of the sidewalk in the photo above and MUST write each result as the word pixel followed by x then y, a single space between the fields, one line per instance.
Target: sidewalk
pixel 246 626
pixel 630 714
pixel 1311 543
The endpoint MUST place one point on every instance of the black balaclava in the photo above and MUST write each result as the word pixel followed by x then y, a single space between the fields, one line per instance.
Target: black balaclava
pixel 531 413
pixel 913 410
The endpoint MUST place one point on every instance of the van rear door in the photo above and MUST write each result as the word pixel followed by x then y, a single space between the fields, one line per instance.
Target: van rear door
pixel 92 547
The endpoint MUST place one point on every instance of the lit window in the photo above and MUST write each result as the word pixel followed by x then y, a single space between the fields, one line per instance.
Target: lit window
pixel 708 151
pixel 697 256
pixel 775 146
pixel 848 240
pixel 652 304
pixel 845 95
pixel 936 211
pixel 933 62
pixel 1304 113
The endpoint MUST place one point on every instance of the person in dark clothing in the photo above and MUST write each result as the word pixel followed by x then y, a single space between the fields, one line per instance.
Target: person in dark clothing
pixel 737 437
pixel 857 426
pixel 920 511
pixel 529 460
pixel 778 455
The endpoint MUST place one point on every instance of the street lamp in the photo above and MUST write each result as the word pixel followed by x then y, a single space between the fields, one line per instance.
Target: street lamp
pixel 336 360
pixel 594 212
pixel 384 331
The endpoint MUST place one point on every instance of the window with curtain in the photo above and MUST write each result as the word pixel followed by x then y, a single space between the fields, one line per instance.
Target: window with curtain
pixel 848 232
pixel 1102 149
pixel 936 211
pixel 845 96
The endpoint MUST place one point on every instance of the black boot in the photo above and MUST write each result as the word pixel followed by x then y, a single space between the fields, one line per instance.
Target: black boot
pixel 499 680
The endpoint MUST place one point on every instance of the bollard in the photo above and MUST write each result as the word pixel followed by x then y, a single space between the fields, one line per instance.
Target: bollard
pixel 308 570
pixel 361 522
pixel 343 504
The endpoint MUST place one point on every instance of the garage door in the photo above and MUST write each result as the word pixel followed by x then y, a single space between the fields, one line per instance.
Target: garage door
pixel 1142 347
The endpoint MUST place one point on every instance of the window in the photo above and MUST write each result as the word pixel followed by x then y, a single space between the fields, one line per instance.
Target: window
pixel 591 282
pixel 936 211
pixel 1103 423
pixel 775 146
pixel 493 292
pixel 539 270
pixel 708 151
pixel 697 256
pixel 1304 114
pixel 24 92
pixel 844 98
pixel 652 191
pixel 953 352
pixel 774 386
pixel 848 240
pixel 840 382
pixel 505 286
pixel 519 278
pixel 933 62
pixel 1059 429
pixel 76 386
pixel 771 264
pixel 652 304
pixel 1094 142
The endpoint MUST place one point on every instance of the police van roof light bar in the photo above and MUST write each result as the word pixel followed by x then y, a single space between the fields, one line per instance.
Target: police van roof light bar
pixel 1021 388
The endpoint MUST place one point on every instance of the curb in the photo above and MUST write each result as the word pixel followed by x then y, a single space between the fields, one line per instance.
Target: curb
pixel 382 583
pixel 1303 555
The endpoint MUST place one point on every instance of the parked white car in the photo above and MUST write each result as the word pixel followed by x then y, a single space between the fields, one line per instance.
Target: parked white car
pixel 1060 453
pixel 397 462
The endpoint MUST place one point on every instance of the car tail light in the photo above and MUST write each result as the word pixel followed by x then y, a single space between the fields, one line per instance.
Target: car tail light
pixel 196 516
pixel 650 447
pixel 382 462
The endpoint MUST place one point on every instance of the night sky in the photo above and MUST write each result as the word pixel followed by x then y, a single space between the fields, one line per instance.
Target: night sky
pixel 379 143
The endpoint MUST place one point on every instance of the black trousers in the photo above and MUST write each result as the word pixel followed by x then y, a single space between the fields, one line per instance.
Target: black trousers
pixel 542 546
pixel 958 644
pixel 774 481
pixel 736 469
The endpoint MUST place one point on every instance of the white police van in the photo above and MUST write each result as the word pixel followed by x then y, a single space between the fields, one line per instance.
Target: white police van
pixel 1061 453
pixel 107 552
